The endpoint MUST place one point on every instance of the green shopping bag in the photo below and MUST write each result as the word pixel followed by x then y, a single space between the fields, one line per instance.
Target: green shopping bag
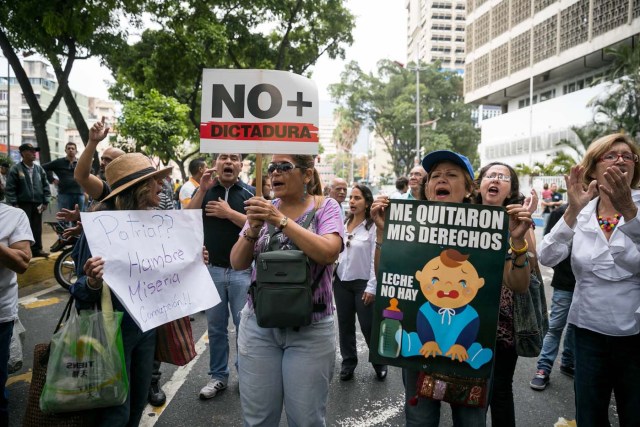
pixel 86 368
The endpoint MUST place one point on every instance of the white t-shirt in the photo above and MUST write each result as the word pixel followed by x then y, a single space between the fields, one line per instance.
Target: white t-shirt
pixel 15 228
pixel 187 191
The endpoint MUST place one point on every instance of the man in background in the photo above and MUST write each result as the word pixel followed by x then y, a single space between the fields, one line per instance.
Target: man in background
pixel 221 199
pixel 402 186
pixel 28 188
pixel 196 169
pixel 70 193
pixel 338 192
pixel 415 179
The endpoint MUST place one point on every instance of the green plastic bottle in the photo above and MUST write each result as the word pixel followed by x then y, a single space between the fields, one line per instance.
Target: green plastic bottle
pixel 390 340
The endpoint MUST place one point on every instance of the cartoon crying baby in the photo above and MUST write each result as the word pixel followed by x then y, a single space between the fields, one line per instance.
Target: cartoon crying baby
pixel 446 324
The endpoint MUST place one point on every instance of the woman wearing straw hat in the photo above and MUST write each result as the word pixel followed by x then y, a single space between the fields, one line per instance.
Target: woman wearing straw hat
pixel 135 185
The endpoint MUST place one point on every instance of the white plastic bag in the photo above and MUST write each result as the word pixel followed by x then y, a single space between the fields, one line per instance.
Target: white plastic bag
pixel 15 348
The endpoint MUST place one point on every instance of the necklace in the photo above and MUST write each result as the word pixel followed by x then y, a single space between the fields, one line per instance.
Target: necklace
pixel 608 224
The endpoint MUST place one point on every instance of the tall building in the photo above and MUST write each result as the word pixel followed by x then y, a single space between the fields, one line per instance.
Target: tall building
pixel 436 32
pixel 21 126
pixel 537 59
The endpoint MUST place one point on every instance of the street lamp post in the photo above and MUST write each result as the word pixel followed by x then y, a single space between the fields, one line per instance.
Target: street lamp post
pixel 417 69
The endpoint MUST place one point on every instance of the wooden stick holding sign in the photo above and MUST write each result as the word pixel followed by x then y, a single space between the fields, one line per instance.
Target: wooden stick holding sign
pixel 259 174
pixel 258 111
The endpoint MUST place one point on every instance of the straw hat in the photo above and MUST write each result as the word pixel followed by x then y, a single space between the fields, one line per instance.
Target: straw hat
pixel 129 169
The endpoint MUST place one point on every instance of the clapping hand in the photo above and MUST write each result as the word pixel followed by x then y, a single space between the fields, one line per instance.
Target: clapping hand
pixel 69 215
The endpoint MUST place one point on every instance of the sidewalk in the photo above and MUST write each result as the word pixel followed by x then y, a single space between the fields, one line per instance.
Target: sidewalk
pixel 41 269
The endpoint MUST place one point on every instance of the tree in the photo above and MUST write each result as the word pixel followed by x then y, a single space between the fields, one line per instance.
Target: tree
pixel 618 108
pixel 62 32
pixel 286 35
pixel 385 102
pixel 160 127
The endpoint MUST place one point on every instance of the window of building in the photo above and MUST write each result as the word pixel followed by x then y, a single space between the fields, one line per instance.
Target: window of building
pixel 3 95
pixel 3 139
pixel 3 126
pixel 544 96
pixel 27 125
pixel 3 111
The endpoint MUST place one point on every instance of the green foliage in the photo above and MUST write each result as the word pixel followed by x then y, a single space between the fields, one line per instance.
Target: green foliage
pixel 195 34
pixel 618 109
pixel 158 124
pixel 5 158
pixel 385 102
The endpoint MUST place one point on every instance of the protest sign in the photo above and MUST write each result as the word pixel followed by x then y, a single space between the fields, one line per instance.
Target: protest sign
pixel 439 284
pixel 258 111
pixel 153 262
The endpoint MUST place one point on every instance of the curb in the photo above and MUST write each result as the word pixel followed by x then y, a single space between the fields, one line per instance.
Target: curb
pixel 40 269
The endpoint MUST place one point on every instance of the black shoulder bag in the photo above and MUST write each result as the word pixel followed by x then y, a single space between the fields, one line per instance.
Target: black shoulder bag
pixel 283 292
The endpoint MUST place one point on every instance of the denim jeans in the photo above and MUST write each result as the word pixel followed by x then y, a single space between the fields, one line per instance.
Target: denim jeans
pixel 139 349
pixel 501 396
pixel 560 304
pixel 283 366
pixel 605 363
pixel 232 287
pixel 70 200
pixel 6 331
pixel 427 412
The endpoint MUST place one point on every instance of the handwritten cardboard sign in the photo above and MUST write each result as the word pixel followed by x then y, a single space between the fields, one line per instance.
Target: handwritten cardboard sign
pixel 153 262
pixel 439 284
pixel 258 111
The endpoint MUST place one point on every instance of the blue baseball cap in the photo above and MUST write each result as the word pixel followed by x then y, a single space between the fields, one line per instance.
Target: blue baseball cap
pixel 435 157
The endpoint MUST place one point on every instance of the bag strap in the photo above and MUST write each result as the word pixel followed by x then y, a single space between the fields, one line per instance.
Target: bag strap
pixel 65 314
pixel 273 232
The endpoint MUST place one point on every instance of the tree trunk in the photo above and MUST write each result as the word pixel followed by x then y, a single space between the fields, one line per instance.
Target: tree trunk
pixel 81 124
pixel 40 126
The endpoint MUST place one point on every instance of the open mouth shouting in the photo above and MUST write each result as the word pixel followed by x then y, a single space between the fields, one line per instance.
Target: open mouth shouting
pixel 442 193
pixel 449 294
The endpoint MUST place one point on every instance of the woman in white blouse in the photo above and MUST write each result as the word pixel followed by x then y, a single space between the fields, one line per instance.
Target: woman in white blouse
pixel 600 230
pixel 354 287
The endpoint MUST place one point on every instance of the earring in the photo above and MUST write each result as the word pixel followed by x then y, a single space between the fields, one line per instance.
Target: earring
pixel 304 193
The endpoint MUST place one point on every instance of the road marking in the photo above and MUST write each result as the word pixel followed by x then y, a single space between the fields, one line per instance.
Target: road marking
pixel 26 377
pixel 34 296
pixel 562 422
pixel 41 303
pixel 377 413
pixel 172 386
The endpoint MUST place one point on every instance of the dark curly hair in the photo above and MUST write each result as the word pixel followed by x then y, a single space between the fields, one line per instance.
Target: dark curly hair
pixel 514 197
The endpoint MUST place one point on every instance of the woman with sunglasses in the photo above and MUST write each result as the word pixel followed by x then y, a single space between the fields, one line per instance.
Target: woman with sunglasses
pixel 450 179
pixel 355 284
pixel 600 231
pixel 498 185
pixel 289 366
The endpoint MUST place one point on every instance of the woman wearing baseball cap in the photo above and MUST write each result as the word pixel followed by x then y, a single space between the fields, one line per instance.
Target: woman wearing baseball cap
pixel 450 180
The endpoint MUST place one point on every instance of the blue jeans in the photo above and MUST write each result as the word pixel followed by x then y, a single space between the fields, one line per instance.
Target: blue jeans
pixel 283 366
pixel 232 287
pixel 427 412
pixel 560 304
pixel 6 331
pixel 139 350
pixel 70 200
pixel 605 363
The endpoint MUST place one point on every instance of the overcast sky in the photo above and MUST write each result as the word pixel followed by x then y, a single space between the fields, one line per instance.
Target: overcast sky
pixel 380 32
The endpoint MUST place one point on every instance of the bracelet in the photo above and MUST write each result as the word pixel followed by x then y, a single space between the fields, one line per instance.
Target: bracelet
pixel 249 238
pixel 378 245
pixel 523 265
pixel 522 250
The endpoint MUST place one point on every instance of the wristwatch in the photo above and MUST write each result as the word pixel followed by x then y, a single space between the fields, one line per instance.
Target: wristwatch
pixel 283 223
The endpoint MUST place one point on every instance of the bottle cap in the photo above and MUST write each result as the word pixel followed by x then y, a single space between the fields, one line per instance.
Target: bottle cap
pixel 393 312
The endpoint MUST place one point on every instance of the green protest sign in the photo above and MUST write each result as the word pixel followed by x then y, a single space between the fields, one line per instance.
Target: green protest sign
pixel 439 284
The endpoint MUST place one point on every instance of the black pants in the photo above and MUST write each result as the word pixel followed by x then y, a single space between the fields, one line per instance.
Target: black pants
pixel 156 374
pixel 501 400
pixel 348 296
pixel 35 221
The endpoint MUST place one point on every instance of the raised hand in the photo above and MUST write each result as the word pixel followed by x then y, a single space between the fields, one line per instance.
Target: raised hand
pixel 519 221
pixel 208 180
pixel 69 215
pixel 98 131
pixel 578 196
pixel 531 202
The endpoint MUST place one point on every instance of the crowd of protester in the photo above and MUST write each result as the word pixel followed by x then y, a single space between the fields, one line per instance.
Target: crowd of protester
pixel 592 241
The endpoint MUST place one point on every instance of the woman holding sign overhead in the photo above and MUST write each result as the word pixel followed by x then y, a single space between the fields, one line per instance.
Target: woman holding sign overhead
pixel 450 179
pixel 288 365
pixel 135 185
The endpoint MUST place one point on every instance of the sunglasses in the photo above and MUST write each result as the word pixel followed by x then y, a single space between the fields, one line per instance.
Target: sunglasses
pixel 282 167
pixel 349 238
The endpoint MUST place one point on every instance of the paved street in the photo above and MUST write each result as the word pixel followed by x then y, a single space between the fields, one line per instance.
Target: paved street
pixel 361 402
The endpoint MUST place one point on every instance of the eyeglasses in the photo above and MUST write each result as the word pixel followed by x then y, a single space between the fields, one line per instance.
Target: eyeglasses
pixel 349 237
pixel 612 157
pixel 499 176
pixel 282 167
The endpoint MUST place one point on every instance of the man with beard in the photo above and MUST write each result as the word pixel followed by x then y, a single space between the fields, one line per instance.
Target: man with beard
pixel 221 199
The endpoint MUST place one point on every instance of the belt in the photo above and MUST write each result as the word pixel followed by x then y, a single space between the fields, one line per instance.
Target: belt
pixel 220 264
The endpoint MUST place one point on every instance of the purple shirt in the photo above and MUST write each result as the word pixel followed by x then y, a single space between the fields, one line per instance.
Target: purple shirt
pixel 326 221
